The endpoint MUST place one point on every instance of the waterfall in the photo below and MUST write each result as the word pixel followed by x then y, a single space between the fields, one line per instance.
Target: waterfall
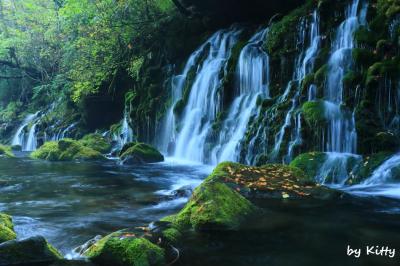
pixel 303 66
pixel 204 101
pixel 253 81
pixel 341 139
pixel 125 134
pixel 168 134
pixel 341 133
pixel 28 143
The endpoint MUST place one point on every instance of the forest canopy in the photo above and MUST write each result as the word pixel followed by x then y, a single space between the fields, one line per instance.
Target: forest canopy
pixel 70 47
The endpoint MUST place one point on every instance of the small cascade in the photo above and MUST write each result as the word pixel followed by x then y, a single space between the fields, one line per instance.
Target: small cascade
pixel 253 81
pixel 386 172
pixel 335 170
pixel 27 142
pixel 168 135
pixel 388 105
pixel 303 66
pixel 31 143
pixel 204 101
pixel 125 134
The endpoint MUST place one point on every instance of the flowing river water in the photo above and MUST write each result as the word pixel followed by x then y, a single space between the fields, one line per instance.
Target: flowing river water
pixel 70 203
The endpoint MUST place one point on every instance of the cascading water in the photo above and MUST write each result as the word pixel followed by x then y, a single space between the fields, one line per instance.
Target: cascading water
pixel 168 136
pixel 204 101
pixel 125 134
pixel 27 142
pixel 253 81
pixel 303 66
pixel 341 137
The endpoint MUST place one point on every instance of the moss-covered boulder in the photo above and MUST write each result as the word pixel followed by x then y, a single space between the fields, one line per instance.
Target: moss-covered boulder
pixel 96 142
pixel 314 113
pixel 310 163
pixel 31 251
pixel 122 249
pixel 230 195
pixel 5 151
pixel 136 152
pixel 66 150
pixel 6 228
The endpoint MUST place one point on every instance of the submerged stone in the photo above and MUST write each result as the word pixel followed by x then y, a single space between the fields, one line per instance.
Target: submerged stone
pixel 122 249
pixel 65 150
pixel 136 152
pixel 31 251
pixel 6 228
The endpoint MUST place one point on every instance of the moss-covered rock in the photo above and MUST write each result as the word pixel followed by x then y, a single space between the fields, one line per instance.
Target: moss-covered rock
pixel 6 228
pixel 30 251
pixel 119 249
pixel 310 163
pixel 314 113
pixel 66 150
pixel 96 142
pixel 229 196
pixel 136 152
pixel 5 151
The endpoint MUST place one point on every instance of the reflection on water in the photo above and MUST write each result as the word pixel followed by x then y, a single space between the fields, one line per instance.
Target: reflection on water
pixel 70 203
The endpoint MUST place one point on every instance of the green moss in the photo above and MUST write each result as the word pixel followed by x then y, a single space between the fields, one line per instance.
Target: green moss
pixel 363 57
pixel 307 82
pixel 28 252
pixel 310 163
pixel 6 151
pixel 65 150
pixel 96 142
pixel 214 206
pixel 382 69
pixel 314 113
pixel 6 233
pixel 320 75
pixel 140 152
pixel 283 34
pixel 172 235
pixel 352 79
pixel 117 250
pixel 6 220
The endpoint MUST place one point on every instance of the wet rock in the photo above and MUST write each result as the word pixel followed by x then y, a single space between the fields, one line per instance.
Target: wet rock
pixel 6 228
pixel 136 152
pixel 31 251
pixel 124 248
